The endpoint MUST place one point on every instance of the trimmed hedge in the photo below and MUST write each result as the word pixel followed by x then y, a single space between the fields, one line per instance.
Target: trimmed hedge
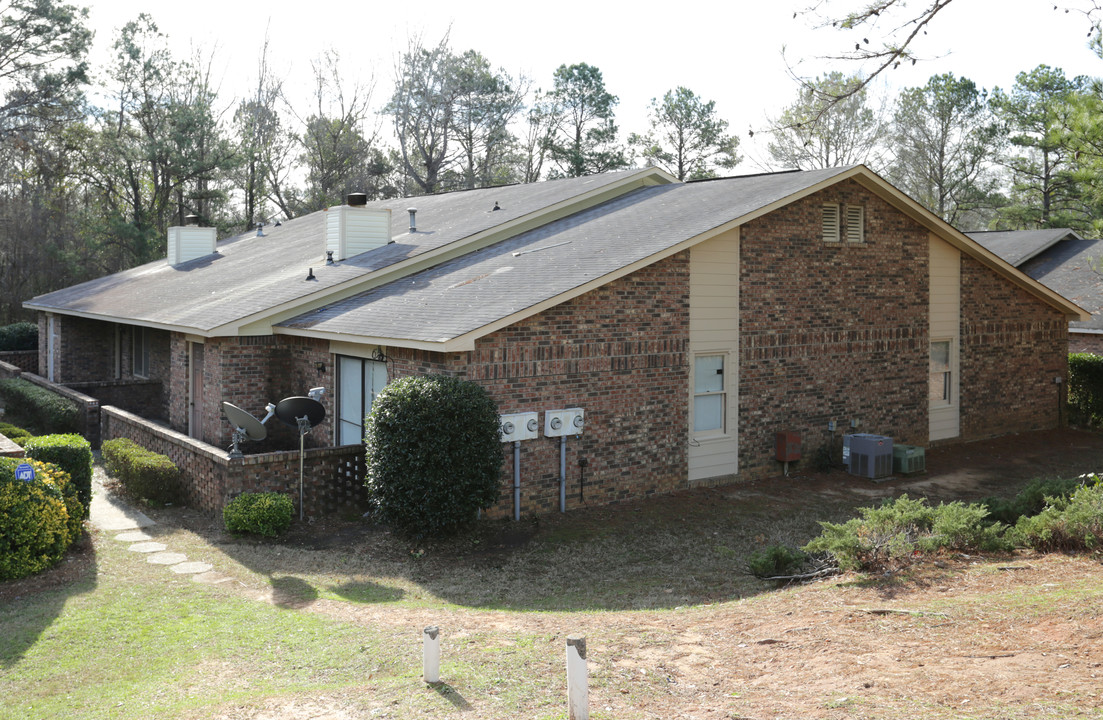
pixel 47 410
pixel 39 520
pixel 19 336
pixel 1086 385
pixel 142 472
pixel 268 514
pixel 14 433
pixel 73 454
pixel 434 455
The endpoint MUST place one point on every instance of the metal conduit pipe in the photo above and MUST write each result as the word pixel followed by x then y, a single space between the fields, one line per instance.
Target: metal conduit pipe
pixel 562 473
pixel 516 480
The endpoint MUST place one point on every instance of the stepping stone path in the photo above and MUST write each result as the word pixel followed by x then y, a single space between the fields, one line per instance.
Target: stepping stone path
pixel 109 514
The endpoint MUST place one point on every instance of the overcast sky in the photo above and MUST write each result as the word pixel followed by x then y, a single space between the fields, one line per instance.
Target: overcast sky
pixel 730 52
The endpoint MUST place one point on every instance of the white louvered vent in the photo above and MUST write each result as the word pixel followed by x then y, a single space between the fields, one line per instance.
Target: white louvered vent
pixel 190 242
pixel 831 222
pixel 354 230
pixel 855 224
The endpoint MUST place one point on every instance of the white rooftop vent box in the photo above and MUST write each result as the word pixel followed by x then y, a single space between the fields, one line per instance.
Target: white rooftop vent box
pixel 353 229
pixel 189 242
pixel 868 456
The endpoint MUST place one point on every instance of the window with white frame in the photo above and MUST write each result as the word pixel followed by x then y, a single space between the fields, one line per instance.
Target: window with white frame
pixel 139 356
pixel 358 382
pixel 941 378
pixel 709 396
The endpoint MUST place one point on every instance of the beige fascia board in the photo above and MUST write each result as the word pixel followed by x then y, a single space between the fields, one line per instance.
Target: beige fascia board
pixel 963 243
pixel 261 323
pixel 118 321
pixel 443 345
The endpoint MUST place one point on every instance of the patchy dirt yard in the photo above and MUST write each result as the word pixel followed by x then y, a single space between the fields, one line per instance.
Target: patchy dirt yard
pixel 675 630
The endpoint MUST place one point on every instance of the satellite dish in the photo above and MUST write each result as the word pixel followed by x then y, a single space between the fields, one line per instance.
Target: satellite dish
pixel 241 419
pixel 289 410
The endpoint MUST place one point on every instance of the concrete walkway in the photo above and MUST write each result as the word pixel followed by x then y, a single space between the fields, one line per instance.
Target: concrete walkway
pixel 112 515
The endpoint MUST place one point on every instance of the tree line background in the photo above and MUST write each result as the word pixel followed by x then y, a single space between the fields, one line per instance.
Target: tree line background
pixel 96 163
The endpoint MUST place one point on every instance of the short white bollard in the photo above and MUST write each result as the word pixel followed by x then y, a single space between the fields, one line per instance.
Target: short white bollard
pixel 431 654
pixel 578 700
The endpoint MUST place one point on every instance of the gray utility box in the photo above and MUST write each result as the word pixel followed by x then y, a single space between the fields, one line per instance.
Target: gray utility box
pixel 868 456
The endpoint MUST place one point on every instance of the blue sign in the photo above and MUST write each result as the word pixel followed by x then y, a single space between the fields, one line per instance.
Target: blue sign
pixel 24 472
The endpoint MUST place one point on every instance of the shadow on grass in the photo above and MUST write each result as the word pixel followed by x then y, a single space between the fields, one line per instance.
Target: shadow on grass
pixel 28 606
pixel 452 695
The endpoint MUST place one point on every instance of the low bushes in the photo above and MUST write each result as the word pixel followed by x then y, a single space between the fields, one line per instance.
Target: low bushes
pixel 144 473
pixel 39 519
pixel 890 535
pixel 47 410
pixel 19 336
pixel 73 454
pixel 268 514
pixel 1072 523
pixel 1031 500
pixel 1086 386
pixel 14 433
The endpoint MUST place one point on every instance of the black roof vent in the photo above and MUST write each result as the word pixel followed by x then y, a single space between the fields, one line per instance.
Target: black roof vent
pixel 358 199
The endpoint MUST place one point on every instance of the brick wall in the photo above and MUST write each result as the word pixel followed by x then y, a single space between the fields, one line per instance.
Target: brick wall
pixel 26 360
pixel 833 331
pixel 333 477
pixel 1012 347
pixel 618 352
pixel 1085 343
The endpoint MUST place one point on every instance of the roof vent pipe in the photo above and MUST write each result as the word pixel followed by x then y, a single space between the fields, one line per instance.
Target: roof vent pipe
pixel 191 220
pixel 357 199
pixel 413 219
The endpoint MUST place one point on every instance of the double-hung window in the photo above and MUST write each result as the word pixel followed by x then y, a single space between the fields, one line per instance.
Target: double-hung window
pixel 358 382
pixel 941 378
pixel 709 396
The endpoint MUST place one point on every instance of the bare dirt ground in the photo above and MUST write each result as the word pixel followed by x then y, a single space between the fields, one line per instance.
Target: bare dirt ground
pixel 1019 636
pixel 1013 637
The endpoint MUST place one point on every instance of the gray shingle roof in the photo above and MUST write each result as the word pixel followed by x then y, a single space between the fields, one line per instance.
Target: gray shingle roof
pixel 463 295
pixel 1017 246
pixel 250 275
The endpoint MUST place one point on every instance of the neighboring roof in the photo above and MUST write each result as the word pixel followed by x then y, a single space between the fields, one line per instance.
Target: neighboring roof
pixel 468 270
pixel 1063 262
pixel 1018 246
pixel 250 276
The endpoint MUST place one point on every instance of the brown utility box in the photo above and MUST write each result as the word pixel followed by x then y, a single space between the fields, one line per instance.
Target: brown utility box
pixel 787 446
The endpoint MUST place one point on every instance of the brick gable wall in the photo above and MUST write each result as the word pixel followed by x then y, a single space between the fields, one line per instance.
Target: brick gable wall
pixel 831 331
pixel 1012 347
pixel 618 352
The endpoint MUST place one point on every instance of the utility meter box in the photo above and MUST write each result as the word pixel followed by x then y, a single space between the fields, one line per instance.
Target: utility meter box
pixel 558 423
pixel 519 426
pixel 787 446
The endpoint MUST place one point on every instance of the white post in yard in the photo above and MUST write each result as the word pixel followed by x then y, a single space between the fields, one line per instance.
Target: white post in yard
pixel 578 701
pixel 431 654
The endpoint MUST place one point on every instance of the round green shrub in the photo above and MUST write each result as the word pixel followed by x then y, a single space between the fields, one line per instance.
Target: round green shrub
pixel 268 514
pixel 38 520
pixel 73 454
pixel 434 455
pixel 19 336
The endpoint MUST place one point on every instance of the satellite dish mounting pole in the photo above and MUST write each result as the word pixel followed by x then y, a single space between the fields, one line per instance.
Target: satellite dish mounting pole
pixel 304 428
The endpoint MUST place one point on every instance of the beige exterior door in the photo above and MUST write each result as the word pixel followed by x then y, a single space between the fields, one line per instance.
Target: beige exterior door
pixel 944 388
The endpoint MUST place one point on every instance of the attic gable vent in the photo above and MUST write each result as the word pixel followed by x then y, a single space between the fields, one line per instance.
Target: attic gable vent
pixel 831 222
pixel 855 224
pixel 189 242
pixel 354 229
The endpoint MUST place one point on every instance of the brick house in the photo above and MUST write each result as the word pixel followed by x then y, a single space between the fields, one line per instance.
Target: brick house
pixel 689 321
pixel 1063 261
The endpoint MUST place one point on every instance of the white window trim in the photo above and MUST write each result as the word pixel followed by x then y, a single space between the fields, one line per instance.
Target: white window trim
pixel 952 372
pixel 705 436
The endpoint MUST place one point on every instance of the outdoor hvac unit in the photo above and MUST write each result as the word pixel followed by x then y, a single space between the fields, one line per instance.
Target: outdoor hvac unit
pixel 907 459
pixel 868 456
